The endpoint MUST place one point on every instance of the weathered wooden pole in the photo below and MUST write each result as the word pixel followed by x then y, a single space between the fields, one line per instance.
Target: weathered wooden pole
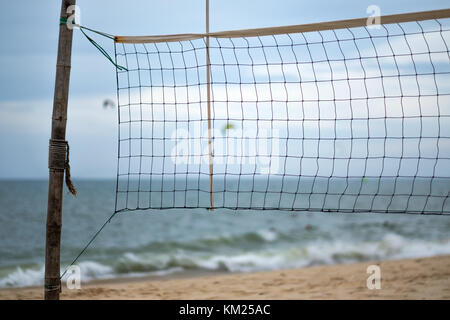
pixel 57 158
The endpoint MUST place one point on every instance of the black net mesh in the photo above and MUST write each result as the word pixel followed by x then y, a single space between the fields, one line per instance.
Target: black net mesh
pixel 346 120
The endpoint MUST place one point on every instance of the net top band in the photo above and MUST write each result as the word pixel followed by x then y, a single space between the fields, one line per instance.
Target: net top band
pixel 340 24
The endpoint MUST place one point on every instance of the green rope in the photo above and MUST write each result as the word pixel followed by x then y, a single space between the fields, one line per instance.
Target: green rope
pixel 63 21
pixel 95 44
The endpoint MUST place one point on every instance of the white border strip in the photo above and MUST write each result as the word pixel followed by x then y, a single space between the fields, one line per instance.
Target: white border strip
pixel 341 24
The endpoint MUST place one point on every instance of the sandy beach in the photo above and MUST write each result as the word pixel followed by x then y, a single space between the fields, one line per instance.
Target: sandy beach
pixel 425 278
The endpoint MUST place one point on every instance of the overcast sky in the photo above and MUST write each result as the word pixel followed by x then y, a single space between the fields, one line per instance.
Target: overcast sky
pixel 29 32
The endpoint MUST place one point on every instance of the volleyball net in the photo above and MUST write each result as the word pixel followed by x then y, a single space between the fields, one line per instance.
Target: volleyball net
pixel 338 116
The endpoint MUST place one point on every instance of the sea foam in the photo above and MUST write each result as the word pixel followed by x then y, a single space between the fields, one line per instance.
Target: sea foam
pixel 319 252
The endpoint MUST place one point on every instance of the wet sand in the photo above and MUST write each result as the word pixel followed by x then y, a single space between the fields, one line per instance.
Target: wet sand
pixel 425 278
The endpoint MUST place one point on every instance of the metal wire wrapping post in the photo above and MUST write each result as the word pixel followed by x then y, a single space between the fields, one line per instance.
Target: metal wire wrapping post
pixel 58 159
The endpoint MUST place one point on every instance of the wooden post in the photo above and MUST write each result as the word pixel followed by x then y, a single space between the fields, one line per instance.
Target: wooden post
pixel 208 89
pixel 56 173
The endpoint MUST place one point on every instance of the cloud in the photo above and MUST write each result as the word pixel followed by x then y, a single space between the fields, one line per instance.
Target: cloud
pixel 25 127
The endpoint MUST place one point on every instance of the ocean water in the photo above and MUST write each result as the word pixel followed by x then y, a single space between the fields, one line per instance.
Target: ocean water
pixel 182 241
pixel 265 192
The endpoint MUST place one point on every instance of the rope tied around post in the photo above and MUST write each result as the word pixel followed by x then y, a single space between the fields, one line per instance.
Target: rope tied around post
pixel 58 159
pixel 63 21
pixel 69 182
pixel 57 287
